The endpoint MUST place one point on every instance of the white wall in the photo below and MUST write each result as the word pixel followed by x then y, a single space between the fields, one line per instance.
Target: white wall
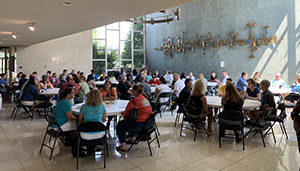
pixel 69 52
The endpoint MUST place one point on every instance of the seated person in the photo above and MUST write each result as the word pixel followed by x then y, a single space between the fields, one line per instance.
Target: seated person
pixel 144 111
pixel 161 88
pixel 123 89
pixel 48 73
pixel 278 82
pixel 63 112
pixel 91 82
pixel 232 100
pixel 18 77
pixel 213 77
pixel 85 89
pixel 147 88
pixel 3 84
pixel 55 81
pixel 148 77
pixel 27 97
pixel 92 111
pixel 184 94
pixel 267 100
pixel 129 81
pixel 242 83
pixel 296 88
pixel 154 81
pixel 191 77
pixel 199 101
pixel 104 77
pixel 252 91
pixel 223 87
pixel 45 83
pixel 108 93
pixel 22 81
pixel 69 81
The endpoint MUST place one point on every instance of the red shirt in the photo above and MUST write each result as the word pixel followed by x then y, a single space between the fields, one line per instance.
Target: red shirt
pixel 150 82
pixel 65 86
pixel 142 104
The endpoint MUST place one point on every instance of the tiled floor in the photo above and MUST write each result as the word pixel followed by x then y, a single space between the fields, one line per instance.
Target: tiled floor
pixel 20 142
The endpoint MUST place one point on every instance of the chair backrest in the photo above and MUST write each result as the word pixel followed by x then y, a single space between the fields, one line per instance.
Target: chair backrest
pixel 150 119
pixel 292 97
pixel 91 127
pixel 164 95
pixel 40 97
pixel 190 111
pixel 231 115
pixel 265 113
pixel 51 121
pixel 282 114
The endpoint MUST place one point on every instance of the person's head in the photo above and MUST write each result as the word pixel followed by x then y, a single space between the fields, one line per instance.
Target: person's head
pixel 278 76
pixel 162 80
pixel 228 80
pixel 67 93
pixel 45 79
pixel 104 74
pixel 54 75
pixel 73 71
pixel 65 71
pixel 169 72
pixel 78 72
pixel 298 78
pixel 188 83
pixel 82 74
pixel 153 77
pixel 156 72
pixel 137 89
pixel 123 70
pixel 34 72
pixel 142 78
pixel 149 73
pixel 134 72
pixel 129 77
pixel 81 78
pixel 20 75
pixel 142 71
pixel 190 74
pixel 89 78
pixel 257 74
pixel 75 78
pixel 23 76
pixel 201 76
pixel 107 85
pixel 3 76
pixel 183 75
pixel 175 76
pixel 94 98
pixel 231 94
pixel 264 85
pixel 92 71
pixel 251 82
pixel 122 78
pixel 69 78
pixel 48 73
pixel 213 75
pixel 198 88
pixel 244 75
pixel 224 73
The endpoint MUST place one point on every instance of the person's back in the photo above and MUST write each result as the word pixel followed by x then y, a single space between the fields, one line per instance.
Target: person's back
pixel 122 88
pixel 147 88
pixel 197 103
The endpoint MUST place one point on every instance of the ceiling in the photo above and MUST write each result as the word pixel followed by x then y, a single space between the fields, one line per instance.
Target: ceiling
pixel 54 20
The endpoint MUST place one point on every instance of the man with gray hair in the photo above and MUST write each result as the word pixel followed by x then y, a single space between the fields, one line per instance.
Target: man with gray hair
pixel 123 89
pixel 267 100
pixel 147 88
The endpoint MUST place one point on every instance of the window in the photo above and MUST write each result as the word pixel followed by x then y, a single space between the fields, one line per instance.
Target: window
pixel 118 46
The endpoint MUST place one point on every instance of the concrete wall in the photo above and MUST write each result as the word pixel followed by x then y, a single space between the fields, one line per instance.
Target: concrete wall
pixel 69 52
pixel 218 17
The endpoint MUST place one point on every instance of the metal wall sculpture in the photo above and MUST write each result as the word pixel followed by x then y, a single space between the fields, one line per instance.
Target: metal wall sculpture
pixel 207 41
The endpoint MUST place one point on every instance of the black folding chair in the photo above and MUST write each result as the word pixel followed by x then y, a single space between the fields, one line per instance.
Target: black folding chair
pixel 231 120
pixel 92 127
pixel 178 113
pixel 18 105
pixel 194 118
pixel 280 119
pixel 261 124
pixel 59 133
pixel 146 132
pixel 41 102
pixel 163 96
pixel 292 97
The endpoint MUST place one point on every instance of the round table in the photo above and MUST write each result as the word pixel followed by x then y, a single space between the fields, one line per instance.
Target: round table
pixel 50 92
pixel 215 101
pixel 277 90
pixel 114 107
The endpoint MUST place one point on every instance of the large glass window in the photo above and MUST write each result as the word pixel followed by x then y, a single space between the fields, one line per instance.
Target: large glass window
pixel 118 46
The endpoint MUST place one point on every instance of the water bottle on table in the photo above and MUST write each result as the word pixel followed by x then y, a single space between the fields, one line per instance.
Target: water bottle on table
pixel 84 98
pixel 213 92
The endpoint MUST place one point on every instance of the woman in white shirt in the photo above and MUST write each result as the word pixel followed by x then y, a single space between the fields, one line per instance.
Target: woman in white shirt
pixel 161 88
pixel 18 77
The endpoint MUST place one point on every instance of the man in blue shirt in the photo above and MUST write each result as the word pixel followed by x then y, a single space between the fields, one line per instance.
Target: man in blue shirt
pixel 137 78
pixel 242 82
pixel 3 84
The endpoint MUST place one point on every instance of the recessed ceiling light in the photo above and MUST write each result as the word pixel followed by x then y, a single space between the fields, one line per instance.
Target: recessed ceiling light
pixel 15 35
pixel 31 26
pixel 67 4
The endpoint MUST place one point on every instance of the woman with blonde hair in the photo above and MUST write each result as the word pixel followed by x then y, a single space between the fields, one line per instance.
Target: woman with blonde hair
pixel 144 111
pixel 257 78
pixel 199 101
pixel 93 111
pixel 232 100
pixel 45 83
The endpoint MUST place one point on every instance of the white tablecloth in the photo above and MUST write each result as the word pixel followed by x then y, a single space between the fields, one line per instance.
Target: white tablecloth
pixel 50 92
pixel 215 101
pixel 211 84
pixel 102 82
pixel 276 90
pixel 114 108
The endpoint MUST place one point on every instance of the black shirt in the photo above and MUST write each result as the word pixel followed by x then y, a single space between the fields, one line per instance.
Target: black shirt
pixel 184 96
pixel 268 98
pixel 197 103
pixel 104 78
pixel 230 105
pixel 253 93
pixel 122 87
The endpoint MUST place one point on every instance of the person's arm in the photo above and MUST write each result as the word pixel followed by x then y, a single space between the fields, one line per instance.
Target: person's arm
pixel 114 94
pixel 50 85
pixel 204 104
pixel 80 118
pixel 104 117
pixel 156 92
pixel 258 97
pixel 70 116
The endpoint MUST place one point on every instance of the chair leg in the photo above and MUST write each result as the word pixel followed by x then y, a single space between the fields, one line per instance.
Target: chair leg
pixel 243 138
pixel 53 147
pixel 283 127
pixel 78 145
pixel 156 129
pixel 105 153
pixel 205 129
pixel 219 137
pixel 181 127
pixel 149 145
pixel 43 141
pixel 195 132
pixel 262 137
pixel 157 139
pixel 270 128
pixel 13 112
pixel 16 112
pixel 273 135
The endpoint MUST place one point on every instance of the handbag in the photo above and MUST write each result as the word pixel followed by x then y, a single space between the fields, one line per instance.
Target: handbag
pixel 133 116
